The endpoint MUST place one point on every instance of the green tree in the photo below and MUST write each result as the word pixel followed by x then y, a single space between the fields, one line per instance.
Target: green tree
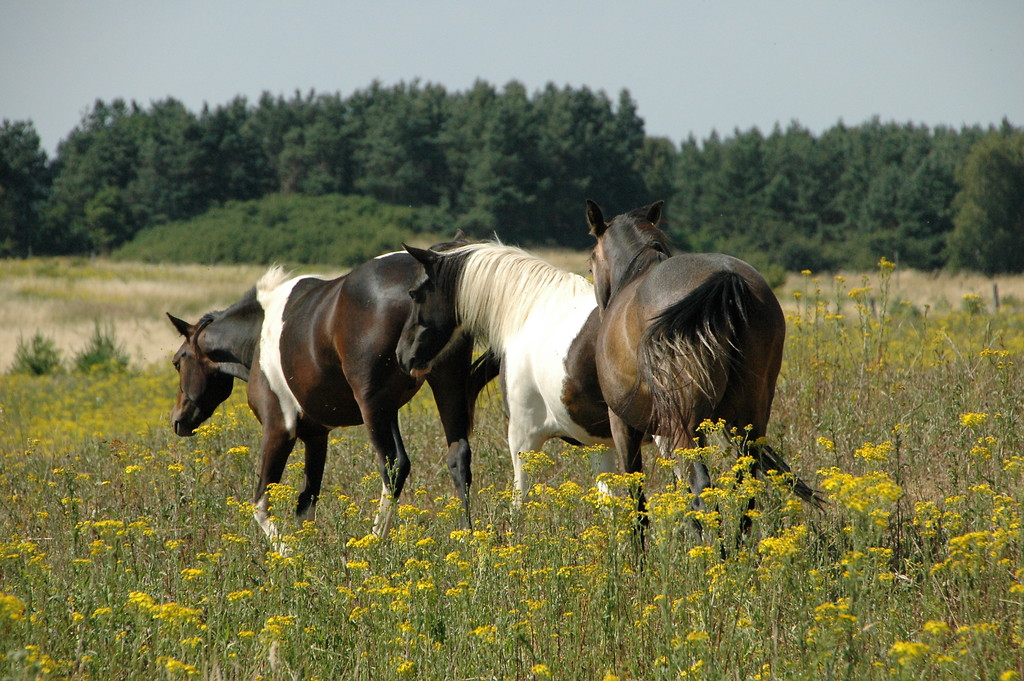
pixel 588 149
pixel 988 232
pixel 655 163
pixel 166 185
pixel 107 220
pixel 232 163
pixel 398 156
pixel 498 161
pixel 24 185
pixel 101 152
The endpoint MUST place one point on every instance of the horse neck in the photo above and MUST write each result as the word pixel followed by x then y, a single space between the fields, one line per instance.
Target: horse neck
pixel 236 330
pixel 633 259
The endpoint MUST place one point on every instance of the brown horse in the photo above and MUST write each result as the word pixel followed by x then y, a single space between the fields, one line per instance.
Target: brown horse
pixel 683 338
pixel 320 354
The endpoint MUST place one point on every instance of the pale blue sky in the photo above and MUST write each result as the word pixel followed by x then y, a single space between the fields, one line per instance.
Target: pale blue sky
pixel 691 66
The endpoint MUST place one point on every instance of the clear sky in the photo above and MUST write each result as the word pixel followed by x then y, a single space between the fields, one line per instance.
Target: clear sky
pixel 692 66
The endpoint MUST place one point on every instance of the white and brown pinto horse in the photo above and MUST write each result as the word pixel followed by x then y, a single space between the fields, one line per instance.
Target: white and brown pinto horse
pixel 683 339
pixel 539 321
pixel 320 354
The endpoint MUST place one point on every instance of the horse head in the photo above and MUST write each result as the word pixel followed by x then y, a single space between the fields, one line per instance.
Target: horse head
pixel 432 321
pixel 203 383
pixel 626 247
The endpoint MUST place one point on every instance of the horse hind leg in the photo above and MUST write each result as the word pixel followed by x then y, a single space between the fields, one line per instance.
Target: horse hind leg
pixel 524 435
pixel 693 472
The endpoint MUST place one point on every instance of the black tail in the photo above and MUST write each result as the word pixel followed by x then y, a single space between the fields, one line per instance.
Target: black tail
pixel 769 460
pixel 690 349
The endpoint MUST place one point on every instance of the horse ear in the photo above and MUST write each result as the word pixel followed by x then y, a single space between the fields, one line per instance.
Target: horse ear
pixel 654 212
pixel 181 325
pixel 459 236
pixel 595 218
pixel 426 257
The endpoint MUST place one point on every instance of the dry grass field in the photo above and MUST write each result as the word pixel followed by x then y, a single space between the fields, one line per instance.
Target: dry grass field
pixel 64 298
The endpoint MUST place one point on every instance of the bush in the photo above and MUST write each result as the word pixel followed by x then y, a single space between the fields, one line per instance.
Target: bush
pixel 102 353
pixel 38 356
pixel 337 230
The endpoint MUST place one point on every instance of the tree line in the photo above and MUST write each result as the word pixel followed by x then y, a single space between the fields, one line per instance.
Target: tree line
pixel 521 164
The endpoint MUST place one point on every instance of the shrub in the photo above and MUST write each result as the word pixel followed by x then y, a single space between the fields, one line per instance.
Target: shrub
pixel 38 356
pixel 102 353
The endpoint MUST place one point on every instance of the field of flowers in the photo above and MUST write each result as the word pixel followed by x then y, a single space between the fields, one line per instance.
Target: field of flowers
pixel 126 552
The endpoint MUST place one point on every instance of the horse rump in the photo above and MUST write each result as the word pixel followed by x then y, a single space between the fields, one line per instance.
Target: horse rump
pixel 690 350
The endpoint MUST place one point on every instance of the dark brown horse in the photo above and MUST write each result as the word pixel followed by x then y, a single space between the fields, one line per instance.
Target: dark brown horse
pixel 320 354
pixel 683 339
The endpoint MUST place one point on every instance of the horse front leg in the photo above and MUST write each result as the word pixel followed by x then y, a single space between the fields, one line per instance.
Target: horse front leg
pixel 455 405
pixel 627 443
pixel 394 466
pixel 277 444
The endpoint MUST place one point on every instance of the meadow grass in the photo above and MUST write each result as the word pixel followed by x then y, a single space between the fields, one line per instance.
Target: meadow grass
pixel 126 552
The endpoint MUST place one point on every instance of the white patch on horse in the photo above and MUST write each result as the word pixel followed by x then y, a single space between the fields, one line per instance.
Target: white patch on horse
pixel 273 292
pixel 509 299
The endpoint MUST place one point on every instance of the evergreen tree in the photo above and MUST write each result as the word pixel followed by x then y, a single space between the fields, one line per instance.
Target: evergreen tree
pixel 24 185
pixel 989 223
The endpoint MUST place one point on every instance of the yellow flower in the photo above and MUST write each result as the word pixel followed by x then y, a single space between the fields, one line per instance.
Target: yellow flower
pixel 11 607
pixel 788 543
pixel 541 671
pixel 868 493
pixel 363 543
pixel 972 419
pixel 701 551
pixel 873 452
pixel 176 666
pixel 697 636
pixel 486 632
pixel 275 625
pixel 906 652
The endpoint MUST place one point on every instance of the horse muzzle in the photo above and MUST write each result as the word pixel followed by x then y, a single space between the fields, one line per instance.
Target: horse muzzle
pixel 182 429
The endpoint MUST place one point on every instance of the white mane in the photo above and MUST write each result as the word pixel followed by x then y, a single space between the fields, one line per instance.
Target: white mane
pixel 272 278
pixel 501 286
